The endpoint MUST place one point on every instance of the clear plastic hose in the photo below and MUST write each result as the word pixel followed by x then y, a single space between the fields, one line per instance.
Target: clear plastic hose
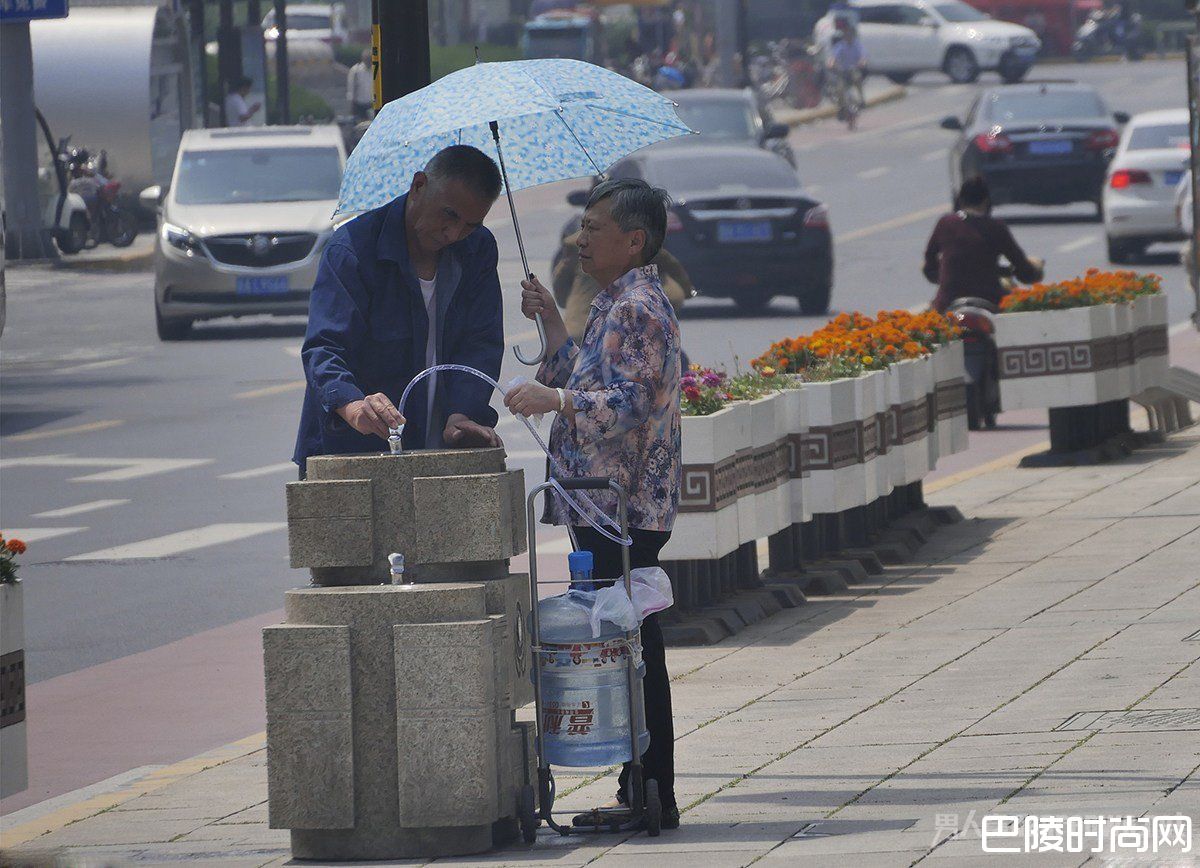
pixel 554 465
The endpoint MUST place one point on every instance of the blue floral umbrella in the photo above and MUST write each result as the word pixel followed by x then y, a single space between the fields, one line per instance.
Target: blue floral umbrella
pixel 557 119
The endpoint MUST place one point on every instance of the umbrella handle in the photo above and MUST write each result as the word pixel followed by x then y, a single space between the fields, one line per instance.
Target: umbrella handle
pixel 541 354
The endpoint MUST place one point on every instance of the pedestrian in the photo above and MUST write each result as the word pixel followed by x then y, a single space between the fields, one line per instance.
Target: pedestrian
pixel 360 87
pixel 963 253
pixel 237 111
pixel 616 396
pixel 399 289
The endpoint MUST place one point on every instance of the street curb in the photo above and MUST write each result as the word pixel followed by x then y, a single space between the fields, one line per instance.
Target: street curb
pixel 155 780
pixel 137 261
pixel 798 117
pixel 1105 58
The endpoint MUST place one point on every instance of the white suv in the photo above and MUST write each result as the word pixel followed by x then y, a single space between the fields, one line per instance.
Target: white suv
pixel 904 37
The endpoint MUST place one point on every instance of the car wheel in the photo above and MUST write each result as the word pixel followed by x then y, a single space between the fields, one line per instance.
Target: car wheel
pixel 74 238
pixel 170 329
pixel 815 302
pixel 961 65
pixel 1012 73
pixel 900 77
pixel 753 303
pixel 1119 252
pixel 125 228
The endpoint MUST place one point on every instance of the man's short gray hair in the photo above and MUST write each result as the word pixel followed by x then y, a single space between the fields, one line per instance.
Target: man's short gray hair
pixel 636 205
pixel 470 165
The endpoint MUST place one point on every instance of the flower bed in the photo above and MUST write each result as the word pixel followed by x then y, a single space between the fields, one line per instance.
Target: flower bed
pixel 1101 337
pixel 823 423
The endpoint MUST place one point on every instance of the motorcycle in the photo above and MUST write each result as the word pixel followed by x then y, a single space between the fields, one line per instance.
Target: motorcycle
pixel 107 220
pixel 1106 32
pixel 975 316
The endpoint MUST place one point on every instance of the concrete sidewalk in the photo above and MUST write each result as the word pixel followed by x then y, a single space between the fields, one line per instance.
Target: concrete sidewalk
pixel 1039 659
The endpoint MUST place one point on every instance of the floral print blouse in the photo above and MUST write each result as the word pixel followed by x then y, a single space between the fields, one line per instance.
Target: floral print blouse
pixel 624 383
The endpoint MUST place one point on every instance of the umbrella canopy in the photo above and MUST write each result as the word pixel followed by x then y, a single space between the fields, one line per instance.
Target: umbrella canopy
pixel 557 119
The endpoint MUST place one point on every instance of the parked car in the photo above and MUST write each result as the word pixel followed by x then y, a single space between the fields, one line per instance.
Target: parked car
pixel 308 21
pixel 243 224
pixel 731 116
pixel 1047 143
pixel 1143 179
pixel 740 223
pixel 1054 21
pixel 904 37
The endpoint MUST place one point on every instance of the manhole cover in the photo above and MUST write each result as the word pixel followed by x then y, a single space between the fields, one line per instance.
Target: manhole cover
pixel 1143 720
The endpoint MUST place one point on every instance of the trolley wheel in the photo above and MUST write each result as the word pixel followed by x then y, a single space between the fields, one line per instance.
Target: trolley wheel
pixel 654 809
pixel 527 814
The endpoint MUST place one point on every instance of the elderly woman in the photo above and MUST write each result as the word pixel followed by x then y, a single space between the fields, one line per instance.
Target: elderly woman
pixel 617 400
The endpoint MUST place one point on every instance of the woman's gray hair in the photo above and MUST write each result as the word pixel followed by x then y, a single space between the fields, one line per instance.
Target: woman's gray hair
pixel 636 205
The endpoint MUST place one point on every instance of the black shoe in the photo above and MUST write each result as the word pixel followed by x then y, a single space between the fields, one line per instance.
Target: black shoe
pixel 670 818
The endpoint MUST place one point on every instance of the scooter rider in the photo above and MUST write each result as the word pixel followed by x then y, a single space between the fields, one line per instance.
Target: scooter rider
pixel 963 253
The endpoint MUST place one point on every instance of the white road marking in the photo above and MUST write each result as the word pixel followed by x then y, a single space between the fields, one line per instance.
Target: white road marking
pixel 184 541
pixel 1078 244
pixel 877 172
pixel 93 366
pixel 126 468
pixel 894 223
pixel 266 470
pixel 938 154
pixel 79 509
pixel 41 434
pixel 266 391
pixel 37 534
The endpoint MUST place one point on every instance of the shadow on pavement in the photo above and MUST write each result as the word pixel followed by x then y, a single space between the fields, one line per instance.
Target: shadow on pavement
pixel 231 331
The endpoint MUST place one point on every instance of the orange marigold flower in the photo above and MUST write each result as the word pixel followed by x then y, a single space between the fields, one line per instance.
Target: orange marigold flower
pixel 15 546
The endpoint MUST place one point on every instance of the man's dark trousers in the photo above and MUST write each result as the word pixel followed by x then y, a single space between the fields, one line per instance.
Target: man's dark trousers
pixel 659 758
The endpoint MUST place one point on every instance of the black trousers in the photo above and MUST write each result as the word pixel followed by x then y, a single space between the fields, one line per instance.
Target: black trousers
pixel 659 758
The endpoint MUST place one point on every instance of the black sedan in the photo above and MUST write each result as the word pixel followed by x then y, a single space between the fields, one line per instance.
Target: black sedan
pixel 731 116
pixel 1043 143
pixel 740 223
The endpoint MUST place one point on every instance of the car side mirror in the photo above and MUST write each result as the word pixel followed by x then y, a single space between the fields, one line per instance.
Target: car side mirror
pixel 951 123
pixel 578 198
pixel 778 131
pixel 1121 117
pixel 151 198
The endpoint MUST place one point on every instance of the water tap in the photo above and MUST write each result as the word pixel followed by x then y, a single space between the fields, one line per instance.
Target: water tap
pixel 395 445
pixel 396 563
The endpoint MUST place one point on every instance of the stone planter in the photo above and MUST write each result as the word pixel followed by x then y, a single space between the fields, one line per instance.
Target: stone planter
pixel 950 399
pixel 714 457
pixel 794 421
pixel 13 768
pixel 883 435
pixel 764 505
pixel 1150 341
pixel 865 414
pixel 1125 370
pixel 832 455
pixel 908 395
pixel 1063 358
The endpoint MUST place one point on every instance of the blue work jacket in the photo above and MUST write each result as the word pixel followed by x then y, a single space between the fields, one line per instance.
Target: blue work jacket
pixel 367 329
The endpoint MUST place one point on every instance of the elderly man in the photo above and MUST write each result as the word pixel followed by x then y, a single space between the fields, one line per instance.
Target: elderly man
pixel 400 289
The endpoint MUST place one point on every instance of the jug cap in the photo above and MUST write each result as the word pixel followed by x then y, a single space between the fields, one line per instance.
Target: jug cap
pixel 580 562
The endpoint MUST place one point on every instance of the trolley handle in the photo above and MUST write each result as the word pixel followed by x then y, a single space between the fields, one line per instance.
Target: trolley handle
pixel 584 483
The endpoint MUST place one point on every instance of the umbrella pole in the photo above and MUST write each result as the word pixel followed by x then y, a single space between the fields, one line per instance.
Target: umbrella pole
pixel 512 207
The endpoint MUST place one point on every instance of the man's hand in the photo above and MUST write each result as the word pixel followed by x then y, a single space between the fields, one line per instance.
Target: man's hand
pixel 529 399
pixel 374 414
pixel 462 433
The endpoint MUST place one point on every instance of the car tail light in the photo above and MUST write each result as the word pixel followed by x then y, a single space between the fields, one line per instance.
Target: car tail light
pixel 993 143
pixel 974 322
pixel 1101 140
pixel 1127 178
pixel 674 224
pixel 817 217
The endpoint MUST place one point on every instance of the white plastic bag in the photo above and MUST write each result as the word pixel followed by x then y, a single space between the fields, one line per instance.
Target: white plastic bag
pixel 518 380
pixel 651 591
pixel 613 604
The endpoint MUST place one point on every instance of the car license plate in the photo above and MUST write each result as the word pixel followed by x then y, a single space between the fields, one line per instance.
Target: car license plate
pixel 743 231
pixel 262 285
pixel 1172 179
pixel 1050 147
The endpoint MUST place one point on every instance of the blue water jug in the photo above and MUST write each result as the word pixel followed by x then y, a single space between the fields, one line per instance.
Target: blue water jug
pixel 580 565
pixel 585 691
